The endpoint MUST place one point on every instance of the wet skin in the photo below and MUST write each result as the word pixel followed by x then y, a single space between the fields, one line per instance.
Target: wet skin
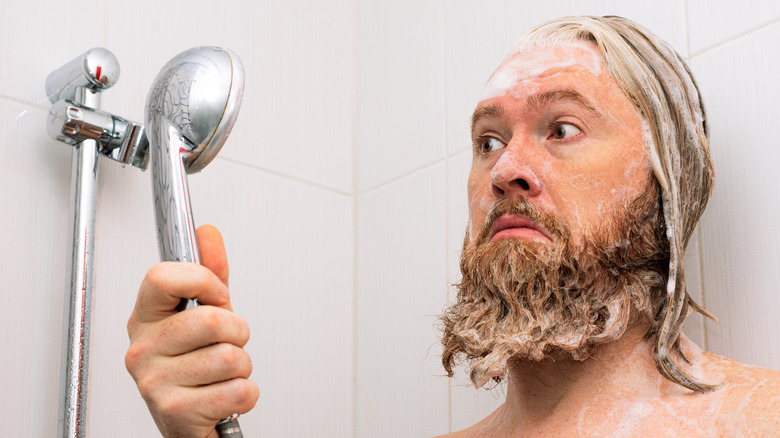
pixel 565 137
pixel 554 127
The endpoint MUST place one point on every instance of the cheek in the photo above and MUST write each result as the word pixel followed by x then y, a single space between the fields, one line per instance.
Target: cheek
pixel 603 189
pixel 480 200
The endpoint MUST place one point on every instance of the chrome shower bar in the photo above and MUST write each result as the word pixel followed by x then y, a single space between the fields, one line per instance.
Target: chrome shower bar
pixel 74 89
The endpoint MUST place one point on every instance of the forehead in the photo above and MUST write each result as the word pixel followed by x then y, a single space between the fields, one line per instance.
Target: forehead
pixel 520 73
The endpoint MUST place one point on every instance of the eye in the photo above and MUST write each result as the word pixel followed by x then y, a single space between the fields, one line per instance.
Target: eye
pixel 489 144
pixel 562 131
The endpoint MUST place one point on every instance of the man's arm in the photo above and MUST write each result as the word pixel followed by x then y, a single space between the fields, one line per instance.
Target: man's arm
pixel 190 367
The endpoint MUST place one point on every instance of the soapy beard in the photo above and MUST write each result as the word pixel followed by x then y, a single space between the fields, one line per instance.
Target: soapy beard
pixel 528 300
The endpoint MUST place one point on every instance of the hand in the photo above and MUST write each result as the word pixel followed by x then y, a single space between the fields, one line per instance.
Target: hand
pixel 190 366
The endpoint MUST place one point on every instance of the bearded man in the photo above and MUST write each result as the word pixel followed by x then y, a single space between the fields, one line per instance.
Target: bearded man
pixel 591 168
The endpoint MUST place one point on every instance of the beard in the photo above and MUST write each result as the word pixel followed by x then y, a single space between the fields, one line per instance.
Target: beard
pixel 529 300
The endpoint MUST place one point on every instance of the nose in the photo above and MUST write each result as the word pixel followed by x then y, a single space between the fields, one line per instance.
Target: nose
pixel 512 175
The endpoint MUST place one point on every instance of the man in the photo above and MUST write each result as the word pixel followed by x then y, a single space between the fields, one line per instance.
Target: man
pixel 591 169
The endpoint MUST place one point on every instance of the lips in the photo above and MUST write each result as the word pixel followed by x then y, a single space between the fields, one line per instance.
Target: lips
pixel 517 226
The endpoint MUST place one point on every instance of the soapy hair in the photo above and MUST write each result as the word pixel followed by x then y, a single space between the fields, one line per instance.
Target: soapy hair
pixel 660 84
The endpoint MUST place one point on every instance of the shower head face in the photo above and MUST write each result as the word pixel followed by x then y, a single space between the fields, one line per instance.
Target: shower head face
pixel 199 93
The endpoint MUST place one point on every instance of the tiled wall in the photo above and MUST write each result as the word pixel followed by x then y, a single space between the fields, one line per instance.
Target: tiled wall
pixel 280 190
pixel 341 195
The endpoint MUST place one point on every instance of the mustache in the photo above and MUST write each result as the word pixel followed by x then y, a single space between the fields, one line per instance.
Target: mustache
pixel 521 206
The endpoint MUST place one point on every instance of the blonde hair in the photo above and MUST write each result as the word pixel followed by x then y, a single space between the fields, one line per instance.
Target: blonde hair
pixel 662 87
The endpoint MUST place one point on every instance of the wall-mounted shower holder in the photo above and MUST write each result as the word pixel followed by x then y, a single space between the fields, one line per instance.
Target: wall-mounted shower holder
pixel 76 119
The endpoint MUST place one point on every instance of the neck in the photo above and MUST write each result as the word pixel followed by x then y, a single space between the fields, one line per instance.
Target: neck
pixel 541 392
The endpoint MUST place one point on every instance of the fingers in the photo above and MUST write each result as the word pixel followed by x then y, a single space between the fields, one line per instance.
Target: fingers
pixel 209 365
pixel 213 364
pixel 212 252
pixel 190 366
pixel 167 283
pixel 196 328
pixel 203 407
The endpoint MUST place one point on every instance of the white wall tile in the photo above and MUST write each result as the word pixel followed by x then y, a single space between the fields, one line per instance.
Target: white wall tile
pixel 739 229
pixel 458 168
pixel 34 179
pixel 400 87
pixel 478 35
pixel 40 36
pixel 297 113
pixel 125 248
pixel 714 22
pixel 290 249
pixel 291 253
pixel 401 288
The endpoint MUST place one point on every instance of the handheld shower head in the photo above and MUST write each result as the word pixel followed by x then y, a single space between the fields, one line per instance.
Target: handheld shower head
pixel 190 110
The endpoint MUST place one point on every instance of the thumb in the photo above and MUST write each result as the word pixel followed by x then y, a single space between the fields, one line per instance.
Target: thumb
pixel 211 249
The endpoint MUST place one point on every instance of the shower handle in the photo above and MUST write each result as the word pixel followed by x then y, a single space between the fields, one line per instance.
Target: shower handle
pixel 173 216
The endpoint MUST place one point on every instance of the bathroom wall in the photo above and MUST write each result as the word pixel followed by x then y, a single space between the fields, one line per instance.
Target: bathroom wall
pixel 280 190
pixel 341 196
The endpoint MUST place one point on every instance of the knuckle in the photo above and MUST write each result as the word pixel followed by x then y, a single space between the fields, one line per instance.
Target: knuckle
pixel 169 406
pixel 210 319
pixel 131 325
pixel 247 366
pixel 156 275
pixel 246 395
pixel 134 357
pixel 253 394
pixel 228 356
pixel 148 385
pixel 244 331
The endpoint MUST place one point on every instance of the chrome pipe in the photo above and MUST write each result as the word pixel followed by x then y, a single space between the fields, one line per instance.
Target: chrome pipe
pixel 81 80
pixel 77 321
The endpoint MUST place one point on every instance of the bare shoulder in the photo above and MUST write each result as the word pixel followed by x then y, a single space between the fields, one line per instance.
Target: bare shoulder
pixel 749 397
pixel 479 430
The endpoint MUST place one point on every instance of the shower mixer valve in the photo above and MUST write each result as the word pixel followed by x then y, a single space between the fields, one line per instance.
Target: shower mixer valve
pixel 71 122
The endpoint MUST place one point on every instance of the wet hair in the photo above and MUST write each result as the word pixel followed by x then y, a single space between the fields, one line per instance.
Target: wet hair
pixel 522 301
pixel 657 80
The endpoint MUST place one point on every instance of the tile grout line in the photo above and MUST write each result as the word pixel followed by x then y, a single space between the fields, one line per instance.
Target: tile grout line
pixel 446 194
pixel 42 105
pixel 354 196
pixel 412 172
pixel 285 176
pixel 735 38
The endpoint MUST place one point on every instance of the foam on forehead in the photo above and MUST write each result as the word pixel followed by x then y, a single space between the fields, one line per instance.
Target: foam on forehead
pixel 522 68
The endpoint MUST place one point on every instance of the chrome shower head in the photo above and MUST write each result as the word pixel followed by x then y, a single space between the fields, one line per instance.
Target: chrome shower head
pixel 190 110
pixel 199 92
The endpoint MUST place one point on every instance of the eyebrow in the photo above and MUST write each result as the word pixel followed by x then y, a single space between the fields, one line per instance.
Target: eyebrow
pixel 536 102
pixel 540 100
pixel 491 111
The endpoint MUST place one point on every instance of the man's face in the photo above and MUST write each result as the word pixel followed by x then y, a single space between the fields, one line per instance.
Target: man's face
pixel 554 127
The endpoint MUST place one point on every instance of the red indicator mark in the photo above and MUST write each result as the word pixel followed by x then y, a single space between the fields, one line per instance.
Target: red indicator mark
pixel 97 73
